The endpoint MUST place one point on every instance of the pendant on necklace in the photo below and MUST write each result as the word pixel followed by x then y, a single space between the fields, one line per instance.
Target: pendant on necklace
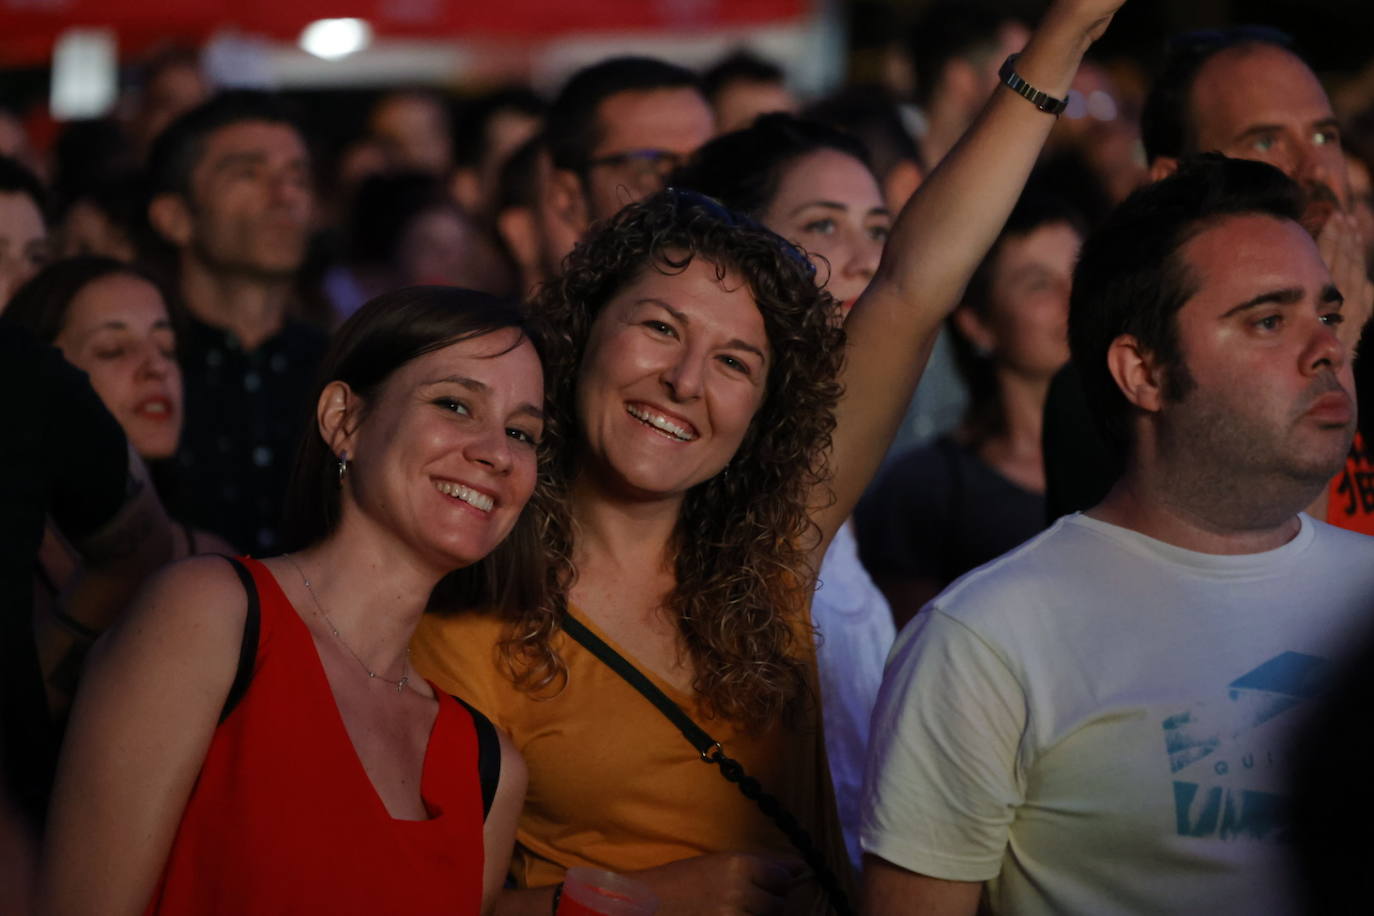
pixel 401 684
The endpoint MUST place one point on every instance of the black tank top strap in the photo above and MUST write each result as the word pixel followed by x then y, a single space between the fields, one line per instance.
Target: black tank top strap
pixel 488 755
pixel 248 650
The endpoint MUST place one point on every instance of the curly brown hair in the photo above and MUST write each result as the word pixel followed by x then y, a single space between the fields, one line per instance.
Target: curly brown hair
pixel 743 540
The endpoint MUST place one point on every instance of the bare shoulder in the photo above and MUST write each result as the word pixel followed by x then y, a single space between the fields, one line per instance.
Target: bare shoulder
pixel 195 607
pixel 202 584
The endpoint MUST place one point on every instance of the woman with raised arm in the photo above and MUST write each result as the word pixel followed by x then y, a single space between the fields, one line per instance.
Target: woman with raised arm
pixel 251 736
pixel 812 184
pixel 703 475
pixel 110 320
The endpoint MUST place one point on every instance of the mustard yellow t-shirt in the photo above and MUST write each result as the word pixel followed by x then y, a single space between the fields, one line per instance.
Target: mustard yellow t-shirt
pixel 612 783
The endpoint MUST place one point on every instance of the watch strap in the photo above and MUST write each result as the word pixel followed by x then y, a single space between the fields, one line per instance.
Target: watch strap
pixel 1041 100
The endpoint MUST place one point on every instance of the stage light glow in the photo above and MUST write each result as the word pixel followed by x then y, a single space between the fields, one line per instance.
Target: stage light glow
pixel 333 39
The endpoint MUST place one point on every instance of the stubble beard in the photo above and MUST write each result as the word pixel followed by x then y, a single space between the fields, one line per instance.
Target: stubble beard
pixel 1242 473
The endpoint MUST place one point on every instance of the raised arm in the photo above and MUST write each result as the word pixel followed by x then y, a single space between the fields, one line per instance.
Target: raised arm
pixel 140 727
pixel 118 558
pixel 942 234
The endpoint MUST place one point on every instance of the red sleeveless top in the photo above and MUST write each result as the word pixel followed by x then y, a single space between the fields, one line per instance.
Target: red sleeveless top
pixel 283 817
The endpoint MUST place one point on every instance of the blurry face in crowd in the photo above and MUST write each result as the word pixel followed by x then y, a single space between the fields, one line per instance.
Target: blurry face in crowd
pixel 87 230
pixel 506 132
pixel 477 187
pixel 1107 136
pixel 444 460
pixel 675 369
pixel 14 140
pixel 1271 389
pixel 1263 103
pixel 442 246
pixel 1362 200
pixel 644 136
pixel 555 236
pixel 830 204
pixel 413 131
pixel 1026 326
pixel 252 200
pixel 118 332
pixel 23 242
pixel 739 103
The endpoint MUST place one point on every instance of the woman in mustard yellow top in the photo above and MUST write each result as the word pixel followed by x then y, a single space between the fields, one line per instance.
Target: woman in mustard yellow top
pixel 706 457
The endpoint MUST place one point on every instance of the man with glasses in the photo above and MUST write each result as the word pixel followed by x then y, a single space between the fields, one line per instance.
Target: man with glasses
pixel 616 131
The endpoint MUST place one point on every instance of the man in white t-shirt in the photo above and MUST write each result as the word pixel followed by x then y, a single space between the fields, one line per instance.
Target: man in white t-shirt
pixel 1100 721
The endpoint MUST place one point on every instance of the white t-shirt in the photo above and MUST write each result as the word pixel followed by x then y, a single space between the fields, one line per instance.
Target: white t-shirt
pixel 1098 721
pixel 854 634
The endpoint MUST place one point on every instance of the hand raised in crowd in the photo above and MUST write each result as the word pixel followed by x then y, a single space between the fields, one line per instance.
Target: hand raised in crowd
pixel 1342 246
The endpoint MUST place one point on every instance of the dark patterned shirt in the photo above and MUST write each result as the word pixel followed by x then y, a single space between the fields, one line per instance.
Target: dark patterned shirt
pixel 245 413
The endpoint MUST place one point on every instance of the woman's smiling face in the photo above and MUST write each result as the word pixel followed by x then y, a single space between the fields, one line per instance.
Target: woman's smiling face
pixel 445 457
pixel 675 368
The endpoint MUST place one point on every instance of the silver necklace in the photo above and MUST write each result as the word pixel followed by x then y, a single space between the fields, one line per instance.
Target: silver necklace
pixel 400 685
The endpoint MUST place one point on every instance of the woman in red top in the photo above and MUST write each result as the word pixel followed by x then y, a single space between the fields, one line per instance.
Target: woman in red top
pixel 319 773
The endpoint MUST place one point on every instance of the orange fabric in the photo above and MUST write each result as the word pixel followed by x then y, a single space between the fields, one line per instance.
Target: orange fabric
pixel 1350 498
pixel 612 784
pixel 283 818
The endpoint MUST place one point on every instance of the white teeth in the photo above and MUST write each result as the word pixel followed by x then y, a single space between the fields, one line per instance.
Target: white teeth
pixel 659 422
pixel 466 494
pixel 154 407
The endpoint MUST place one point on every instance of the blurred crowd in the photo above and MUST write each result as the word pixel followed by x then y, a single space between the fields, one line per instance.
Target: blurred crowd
pixel 196 255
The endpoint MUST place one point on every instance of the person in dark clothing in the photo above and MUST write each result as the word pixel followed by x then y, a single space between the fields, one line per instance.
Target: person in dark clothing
pixel 63 456
pixel 945 508
pixel 110 321
pixel 232 196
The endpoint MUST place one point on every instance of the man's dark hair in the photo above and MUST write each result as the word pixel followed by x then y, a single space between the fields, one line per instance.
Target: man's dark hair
pixel 17 178
pixel 471 139
pixel 1166 123
pixel 178 149
pixel 571 128
pixel 739 66
pixel 1131 280
pixel 951 29
pixel 871 114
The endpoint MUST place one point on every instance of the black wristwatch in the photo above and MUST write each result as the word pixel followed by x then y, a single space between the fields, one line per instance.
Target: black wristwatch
pixel 1041 100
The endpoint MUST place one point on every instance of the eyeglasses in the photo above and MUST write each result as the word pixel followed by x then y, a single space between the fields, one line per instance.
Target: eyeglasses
pixel 646 169
pixel 684 197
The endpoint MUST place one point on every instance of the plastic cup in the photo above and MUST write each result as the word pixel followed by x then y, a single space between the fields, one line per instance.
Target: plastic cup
pixel 593 892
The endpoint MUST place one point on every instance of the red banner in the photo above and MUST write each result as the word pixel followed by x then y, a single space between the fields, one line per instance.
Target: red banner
pixel 28 28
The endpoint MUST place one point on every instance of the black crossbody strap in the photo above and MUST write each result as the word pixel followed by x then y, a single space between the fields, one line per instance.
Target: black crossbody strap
pixel 248 649
pixel 711 752
pixel 594 644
